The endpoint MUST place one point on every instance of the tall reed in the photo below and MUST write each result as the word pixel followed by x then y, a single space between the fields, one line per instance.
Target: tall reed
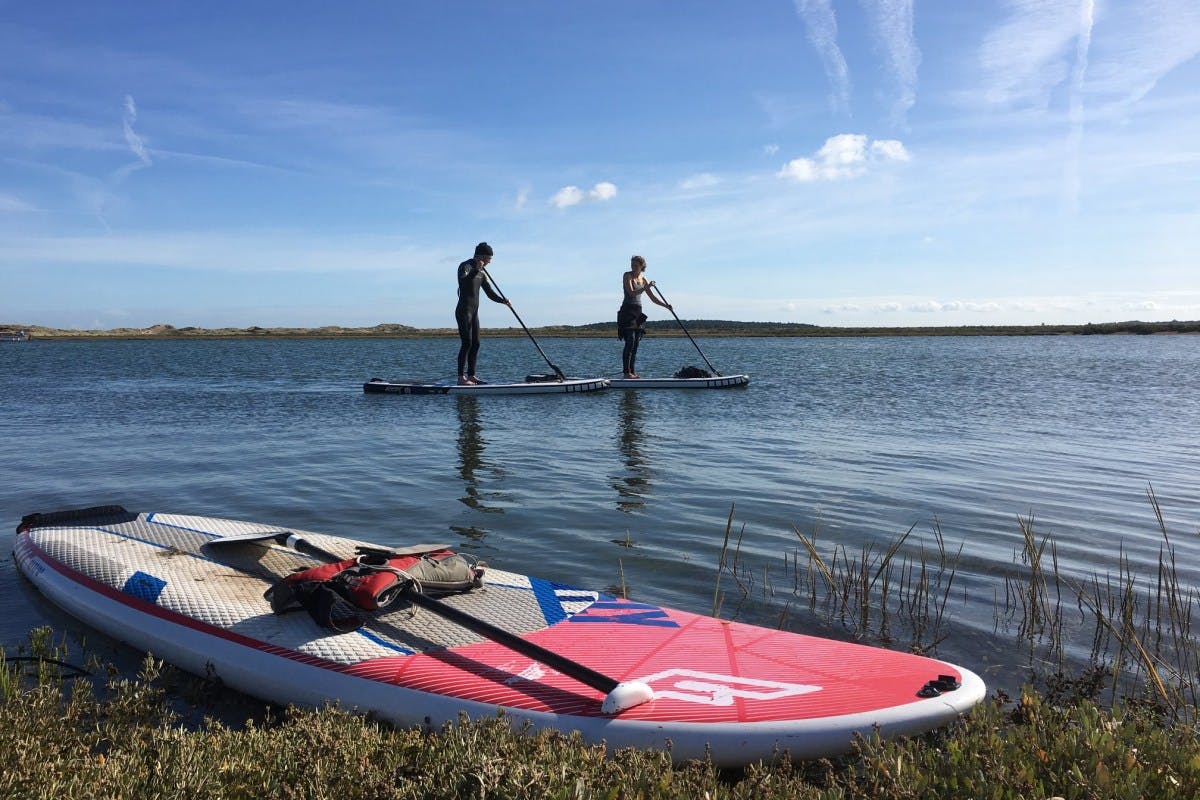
pixel 1133 631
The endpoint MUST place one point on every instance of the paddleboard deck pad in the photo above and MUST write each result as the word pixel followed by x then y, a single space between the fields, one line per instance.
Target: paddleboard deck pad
pixel 565 386
pixel 730 691
pixel 714 382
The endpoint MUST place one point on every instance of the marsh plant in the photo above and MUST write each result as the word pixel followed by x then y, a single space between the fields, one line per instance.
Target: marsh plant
pixel 1126 634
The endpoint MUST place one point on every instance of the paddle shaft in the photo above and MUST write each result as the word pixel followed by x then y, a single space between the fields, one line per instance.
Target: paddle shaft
pixel 662 297
pixel 488 275
pixel 583 674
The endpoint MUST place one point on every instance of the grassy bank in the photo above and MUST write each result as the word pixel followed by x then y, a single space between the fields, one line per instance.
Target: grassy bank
pixel 64 735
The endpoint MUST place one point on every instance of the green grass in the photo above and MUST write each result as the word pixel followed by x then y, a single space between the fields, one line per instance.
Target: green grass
pixel 68 738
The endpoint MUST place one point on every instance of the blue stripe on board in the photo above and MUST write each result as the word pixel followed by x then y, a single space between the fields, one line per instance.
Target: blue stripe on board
pixel 547 598
pixel 144 587
pixel 386 643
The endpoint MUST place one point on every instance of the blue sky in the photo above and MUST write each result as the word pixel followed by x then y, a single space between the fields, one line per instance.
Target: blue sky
pixel 868 162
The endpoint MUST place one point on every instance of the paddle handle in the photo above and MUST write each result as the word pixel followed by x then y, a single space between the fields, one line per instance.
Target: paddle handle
pixel 579 672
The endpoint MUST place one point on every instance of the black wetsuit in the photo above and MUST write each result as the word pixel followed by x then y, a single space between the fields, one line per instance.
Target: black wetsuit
pixel 470 279
pixel 630 329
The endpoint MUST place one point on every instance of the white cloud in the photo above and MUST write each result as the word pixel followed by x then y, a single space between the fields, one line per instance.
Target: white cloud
pixel 888 307
pixel 770 149
pixel 889 150
pixel 821 26
pixel 843 308
pixel 572 195
pixel 846 155
pixel 567 196
pixel 704 180
pixel 603 191
pixel 1145 305
pixel 927 306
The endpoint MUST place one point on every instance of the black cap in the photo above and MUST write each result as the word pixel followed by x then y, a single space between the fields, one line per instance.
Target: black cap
pixel 483 249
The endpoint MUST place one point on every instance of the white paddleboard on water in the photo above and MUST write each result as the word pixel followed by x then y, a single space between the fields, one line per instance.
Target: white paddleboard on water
pixel 704 687
pixel 565 386
pixel 714 382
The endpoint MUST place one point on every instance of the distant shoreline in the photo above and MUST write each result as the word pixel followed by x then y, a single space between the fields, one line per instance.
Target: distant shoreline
pixel 600 330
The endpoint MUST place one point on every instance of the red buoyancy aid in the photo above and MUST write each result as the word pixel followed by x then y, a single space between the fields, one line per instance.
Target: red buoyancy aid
pixel 371 582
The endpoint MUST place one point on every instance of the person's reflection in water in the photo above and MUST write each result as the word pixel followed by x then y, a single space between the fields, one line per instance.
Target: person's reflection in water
pixel 471 446
pixel 633 486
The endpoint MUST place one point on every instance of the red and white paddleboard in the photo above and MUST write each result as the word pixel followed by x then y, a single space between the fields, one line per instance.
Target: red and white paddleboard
pixel 701 686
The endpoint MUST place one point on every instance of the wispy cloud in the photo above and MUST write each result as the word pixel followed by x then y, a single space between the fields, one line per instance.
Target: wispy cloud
pixel 136 145
pixel 821 26
pixel 12 204
pixel 261 251
pixel 1124 48
pixel 1082 44
pixel 891 23
pixel 847 155
pixel 522 198
pixel 703 180
pixel 572 195
pixel 1027 56
pixel 1137 44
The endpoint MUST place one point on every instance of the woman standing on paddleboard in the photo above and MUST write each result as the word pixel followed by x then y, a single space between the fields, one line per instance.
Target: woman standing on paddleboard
pixel 631 321
pixel 471 276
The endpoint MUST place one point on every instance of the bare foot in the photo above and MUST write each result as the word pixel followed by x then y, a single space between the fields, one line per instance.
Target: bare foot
pixel 463 380
pixel 630 375
pixel 476 380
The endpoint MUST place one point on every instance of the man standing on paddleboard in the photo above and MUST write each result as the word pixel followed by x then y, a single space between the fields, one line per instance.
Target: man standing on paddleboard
pixel 472 275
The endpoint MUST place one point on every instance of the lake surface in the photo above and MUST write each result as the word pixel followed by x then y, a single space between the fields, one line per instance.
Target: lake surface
pixel 858 439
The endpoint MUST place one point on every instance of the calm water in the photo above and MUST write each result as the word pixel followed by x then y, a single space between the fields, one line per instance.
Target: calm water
pixel 859 438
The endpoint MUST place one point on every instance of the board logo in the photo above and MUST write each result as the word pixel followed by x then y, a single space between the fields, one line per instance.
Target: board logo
pixel 712 689
pixel 624 612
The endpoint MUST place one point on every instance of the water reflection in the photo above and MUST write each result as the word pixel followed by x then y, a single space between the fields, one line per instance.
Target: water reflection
pixel 474 468
pixel 634 484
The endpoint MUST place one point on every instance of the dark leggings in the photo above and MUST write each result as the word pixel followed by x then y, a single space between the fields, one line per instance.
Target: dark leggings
pixel 631 337
pixel 468 332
